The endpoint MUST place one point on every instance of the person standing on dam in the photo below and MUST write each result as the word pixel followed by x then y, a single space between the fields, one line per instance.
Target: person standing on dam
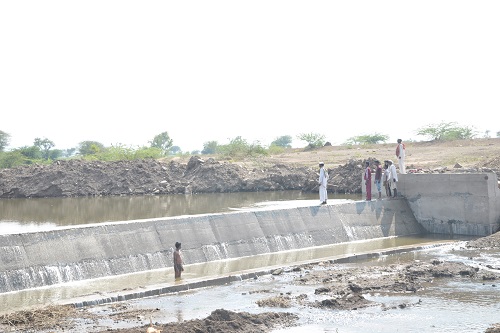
pixel 401 155
pixel 378 178
pixel 393 179
pixel 178 265
pixel 323 182
pixel 368 181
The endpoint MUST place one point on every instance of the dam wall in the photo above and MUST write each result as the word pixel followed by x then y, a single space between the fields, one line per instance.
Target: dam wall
pixel 453 204
pixel 46 258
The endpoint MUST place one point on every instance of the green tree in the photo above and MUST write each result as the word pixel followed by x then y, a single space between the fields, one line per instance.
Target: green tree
pixel 314 140
pixel 210 147
pixel 175 150
pixel 284 141
pixel 498 134
pixel 54 154
pixel 90 148
pixel 446 131
pixel 44 145
pixel 239 147
pixel 367 139
pixel 68 152
pixel 12 159
pixel 163 142
pixel 4 140
pixel 31 152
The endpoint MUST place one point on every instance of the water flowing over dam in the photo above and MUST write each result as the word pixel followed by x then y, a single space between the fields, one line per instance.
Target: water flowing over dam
pixel 446 204
pixel 37 259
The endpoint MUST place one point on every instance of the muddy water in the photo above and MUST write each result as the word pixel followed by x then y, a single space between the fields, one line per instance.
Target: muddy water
pixel 26 215
pixel 104 289
pixel 450 305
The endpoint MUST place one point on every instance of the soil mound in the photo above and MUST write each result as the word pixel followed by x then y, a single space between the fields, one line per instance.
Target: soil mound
pixel 73 178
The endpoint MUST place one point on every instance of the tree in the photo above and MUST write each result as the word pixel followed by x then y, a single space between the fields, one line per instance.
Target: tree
pixel 68 152
pixel 498 134
pixel 367 139
pixel 32 152
pixel 210 147
pixel 44 145
pixel 4 140
pixel 313 139
pixel 54 154
pixel 283 141
pixel 447 131
pixel 12 159
pixel 90 148
pixel 175 150
pixel 163 142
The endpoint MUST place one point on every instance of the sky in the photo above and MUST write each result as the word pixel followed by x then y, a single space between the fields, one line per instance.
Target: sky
pixel 121 72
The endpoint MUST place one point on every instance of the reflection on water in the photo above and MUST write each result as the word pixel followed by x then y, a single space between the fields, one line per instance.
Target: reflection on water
pixel 23 215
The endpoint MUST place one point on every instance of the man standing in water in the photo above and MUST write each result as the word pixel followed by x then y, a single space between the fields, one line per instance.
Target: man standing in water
pixel 178 269
pixel 401 154
pixel 323 179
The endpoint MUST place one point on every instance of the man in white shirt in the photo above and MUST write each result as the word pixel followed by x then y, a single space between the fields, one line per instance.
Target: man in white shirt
pixel 323 179
pixel 393 178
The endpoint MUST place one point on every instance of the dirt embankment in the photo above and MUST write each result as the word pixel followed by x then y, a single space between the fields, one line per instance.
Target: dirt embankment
pixel 293 170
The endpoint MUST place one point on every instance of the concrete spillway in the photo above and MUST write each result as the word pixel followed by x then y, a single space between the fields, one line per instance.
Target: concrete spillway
pixel 39 259
pixel 467 204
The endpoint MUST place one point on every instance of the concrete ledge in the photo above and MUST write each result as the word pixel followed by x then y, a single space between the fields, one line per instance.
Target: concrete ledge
pixel 223 280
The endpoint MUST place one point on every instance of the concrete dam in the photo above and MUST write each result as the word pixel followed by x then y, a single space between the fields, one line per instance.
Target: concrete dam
pixel 467 204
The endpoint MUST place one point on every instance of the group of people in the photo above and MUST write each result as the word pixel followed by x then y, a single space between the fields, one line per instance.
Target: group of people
pixel 388 177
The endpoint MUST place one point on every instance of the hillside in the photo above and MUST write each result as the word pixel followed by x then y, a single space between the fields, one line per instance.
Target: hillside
pixel 295 169
pixel 476 153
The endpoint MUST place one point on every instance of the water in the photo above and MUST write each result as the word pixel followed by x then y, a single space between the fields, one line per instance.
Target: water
pixel 448 305
pixel 27 215
pixel 97 290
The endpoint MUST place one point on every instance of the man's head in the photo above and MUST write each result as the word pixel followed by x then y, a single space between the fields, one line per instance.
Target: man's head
pixel 177 245
pixel 399 140
pixel 389 161
pixel 377 162
pixel 321 164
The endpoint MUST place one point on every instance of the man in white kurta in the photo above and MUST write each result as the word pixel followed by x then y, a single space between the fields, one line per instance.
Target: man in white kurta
pixel 393 178
pixel 323 180
pixel 401 154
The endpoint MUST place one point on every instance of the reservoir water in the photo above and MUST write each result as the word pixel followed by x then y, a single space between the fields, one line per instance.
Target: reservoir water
pixel 27 215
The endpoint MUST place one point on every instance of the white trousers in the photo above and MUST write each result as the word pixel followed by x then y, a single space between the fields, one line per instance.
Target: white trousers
pixel 402 168
pixel 322 193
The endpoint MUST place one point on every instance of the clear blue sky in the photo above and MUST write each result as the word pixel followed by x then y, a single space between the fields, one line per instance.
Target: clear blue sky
pixel 124 71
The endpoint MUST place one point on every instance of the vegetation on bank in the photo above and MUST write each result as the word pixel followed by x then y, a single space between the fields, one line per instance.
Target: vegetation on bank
pixel 42 151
